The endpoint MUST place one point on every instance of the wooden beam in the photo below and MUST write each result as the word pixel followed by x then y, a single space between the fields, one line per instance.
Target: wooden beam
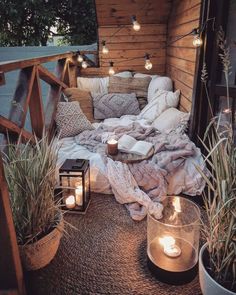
pixel 8 126
pixel 54 93
pixel 11 277
pixel 36 107
pixel 72 69
pixel 21 96
pixel 49 78
pixel 2 79
pixel 8 66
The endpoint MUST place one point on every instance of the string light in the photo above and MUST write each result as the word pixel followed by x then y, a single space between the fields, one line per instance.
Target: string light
pixel 105 50
pixel 111 69
pixel 136 24
pixel 148 64
pixel 84 64
pixel 80 57
pixel 197 40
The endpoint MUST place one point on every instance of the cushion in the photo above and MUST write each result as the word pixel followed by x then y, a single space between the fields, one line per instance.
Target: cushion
pixel 139 86
pixel 98 85
pixel 159 83
pixel 70 119
pixel 84 98
pixel 171 119
pixel 114 105
pixel 161 102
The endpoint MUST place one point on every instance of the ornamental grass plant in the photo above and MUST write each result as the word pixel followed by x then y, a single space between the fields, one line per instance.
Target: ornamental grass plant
pixel 220 195
pixel 30 172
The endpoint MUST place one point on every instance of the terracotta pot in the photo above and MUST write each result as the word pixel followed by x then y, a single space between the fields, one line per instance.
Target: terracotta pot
pixel 37 255
pixel 208 285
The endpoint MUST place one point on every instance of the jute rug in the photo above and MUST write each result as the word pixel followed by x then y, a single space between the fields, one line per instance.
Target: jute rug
pixel 106 255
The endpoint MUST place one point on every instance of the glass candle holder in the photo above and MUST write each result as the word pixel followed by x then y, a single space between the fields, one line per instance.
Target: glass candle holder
pixel 173 241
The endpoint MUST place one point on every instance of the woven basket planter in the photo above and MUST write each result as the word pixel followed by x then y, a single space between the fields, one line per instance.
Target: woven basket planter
pixel 37 255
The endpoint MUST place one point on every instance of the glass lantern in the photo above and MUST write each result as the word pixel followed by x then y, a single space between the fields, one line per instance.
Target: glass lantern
pixel 173 241
pixel 74 177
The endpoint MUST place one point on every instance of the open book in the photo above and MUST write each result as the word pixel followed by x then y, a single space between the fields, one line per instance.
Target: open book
pixel 128 144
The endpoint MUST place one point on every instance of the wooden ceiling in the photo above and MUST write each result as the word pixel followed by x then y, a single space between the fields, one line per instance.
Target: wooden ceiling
pixel 117 12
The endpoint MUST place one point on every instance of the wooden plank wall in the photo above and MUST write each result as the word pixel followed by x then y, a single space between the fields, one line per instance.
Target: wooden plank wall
pixel 181 55
pixel 127 43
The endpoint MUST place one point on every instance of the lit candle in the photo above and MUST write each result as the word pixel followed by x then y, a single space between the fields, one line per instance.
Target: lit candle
pixel 170 248
pixel 176 204
pixel 78 194
pixel 70 202
pixel 112 147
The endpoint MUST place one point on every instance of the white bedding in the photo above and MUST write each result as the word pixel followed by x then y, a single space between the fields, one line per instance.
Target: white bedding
pixel 180 182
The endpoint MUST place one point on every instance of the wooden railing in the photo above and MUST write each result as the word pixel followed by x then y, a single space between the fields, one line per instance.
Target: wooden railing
pixel 28 96
pixel 28 93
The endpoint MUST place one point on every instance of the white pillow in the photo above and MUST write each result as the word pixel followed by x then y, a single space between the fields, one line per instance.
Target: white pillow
pixel 98 85
pixel 159 83
pixel 170 119
pixel 159 103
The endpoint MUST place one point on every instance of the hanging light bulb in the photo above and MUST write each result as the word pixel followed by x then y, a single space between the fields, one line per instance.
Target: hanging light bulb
pixel 105 50
pixel 136 24
pixel 84 64
pixel 197 40
pixel 79 57
pixel 148 64
pixel 111 69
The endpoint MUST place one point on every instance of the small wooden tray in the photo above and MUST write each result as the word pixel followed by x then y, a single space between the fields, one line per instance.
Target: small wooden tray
pixel 130 158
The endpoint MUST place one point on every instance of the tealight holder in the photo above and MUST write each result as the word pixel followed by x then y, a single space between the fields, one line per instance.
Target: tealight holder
pixel 173 241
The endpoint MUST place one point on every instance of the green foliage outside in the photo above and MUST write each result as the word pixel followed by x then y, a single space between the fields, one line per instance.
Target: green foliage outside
pixel 33 22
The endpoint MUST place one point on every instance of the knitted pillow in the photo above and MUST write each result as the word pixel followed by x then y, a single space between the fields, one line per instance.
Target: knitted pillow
pixel 70 119
pixel 139 86
pixel 114 105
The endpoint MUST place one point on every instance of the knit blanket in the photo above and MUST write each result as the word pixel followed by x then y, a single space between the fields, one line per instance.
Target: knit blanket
pixel 171 169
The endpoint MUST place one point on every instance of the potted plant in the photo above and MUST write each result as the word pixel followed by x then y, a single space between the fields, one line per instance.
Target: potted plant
pixel 30 173
pixel 217 258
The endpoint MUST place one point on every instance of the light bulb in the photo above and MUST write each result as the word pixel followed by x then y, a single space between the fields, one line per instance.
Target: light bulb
pixel 80 58
pixel 197 41
pixel 148 64
pixel 105 50
pixel 84 65
pixel 136 24
pixel 111 69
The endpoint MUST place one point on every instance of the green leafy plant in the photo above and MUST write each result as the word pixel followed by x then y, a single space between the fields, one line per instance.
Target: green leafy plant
pixel 220 195
pixel 30 173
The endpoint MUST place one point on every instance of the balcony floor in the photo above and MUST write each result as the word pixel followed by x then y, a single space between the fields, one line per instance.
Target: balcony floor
pixel 107 255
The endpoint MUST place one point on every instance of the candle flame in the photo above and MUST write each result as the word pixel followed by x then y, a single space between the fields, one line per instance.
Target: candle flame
pixel 176 204
pixel 112 141
pixel 170 248
pixel 167 241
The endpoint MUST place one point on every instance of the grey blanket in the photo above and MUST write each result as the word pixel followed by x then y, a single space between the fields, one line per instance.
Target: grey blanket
pixel 171 170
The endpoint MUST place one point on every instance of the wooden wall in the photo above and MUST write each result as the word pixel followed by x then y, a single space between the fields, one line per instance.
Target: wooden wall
pixel 181 55
pixel 162 21
pixel 127 43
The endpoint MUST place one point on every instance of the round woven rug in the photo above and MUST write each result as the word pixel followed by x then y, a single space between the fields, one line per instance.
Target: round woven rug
pixel 106 255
